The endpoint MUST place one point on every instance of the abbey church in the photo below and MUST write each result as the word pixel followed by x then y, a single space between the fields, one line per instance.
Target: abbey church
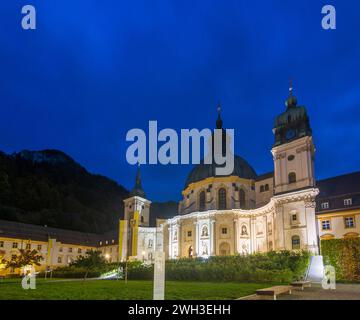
pixel 244 213
pixel 241 213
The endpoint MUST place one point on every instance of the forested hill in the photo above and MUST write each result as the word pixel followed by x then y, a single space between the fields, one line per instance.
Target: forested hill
pixel 49 188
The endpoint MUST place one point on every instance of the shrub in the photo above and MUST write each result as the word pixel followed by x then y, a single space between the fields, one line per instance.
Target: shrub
pixel 344 255
pixel 282 266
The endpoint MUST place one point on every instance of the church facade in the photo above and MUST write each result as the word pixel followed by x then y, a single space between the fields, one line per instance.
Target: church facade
pixel 242 213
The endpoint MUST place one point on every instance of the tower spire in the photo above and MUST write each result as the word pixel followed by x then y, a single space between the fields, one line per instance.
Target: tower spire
pixel 291 101
pixel 138 190
pixel 219 121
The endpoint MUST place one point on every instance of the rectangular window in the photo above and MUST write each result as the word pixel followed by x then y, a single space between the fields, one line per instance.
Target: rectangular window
pixel 59 260
pixel 224 230
pixel 294 217
pixel 60 249
pixel 70 249
pixel 348 202
pixel 1 244
pixel 349 222
pixel 15 245
pixel 28 246
pixel 79 250
pixel 325 205
pixel 325 225
pixel 189 233
pixel 39 247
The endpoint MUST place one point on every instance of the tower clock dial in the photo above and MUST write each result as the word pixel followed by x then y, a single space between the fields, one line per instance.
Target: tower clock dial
pixel 290 134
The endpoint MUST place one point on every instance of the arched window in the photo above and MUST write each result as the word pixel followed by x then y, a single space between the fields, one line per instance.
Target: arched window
pixel 222 198
pixel 242 199
pixel 261 188
pixel 292 177
pixel 202 201
pixel 295 242
pixel 266 187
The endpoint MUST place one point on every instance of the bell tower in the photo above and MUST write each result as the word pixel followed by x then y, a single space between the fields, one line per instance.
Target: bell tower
pixel 137 214
pixel 293 150
pixel 137 202
pixel 294 180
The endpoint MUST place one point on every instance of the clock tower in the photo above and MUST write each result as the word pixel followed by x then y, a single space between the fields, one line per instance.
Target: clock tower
pixel 293 150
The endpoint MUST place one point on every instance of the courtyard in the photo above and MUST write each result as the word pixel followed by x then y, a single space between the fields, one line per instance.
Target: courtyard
pixel 67 289
pixel 78 289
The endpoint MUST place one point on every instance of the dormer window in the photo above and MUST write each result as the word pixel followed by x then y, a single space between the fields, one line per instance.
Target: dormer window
pixel 348 202
pixel 325 205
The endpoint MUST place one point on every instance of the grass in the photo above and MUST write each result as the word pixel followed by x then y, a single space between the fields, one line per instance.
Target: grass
pixel 11 289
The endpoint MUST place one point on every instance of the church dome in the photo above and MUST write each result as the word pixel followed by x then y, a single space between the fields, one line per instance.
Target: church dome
pixel 202 171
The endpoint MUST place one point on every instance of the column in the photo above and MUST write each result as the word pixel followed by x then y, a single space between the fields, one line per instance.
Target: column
pixel 279 228
pixel 311 227
pixel 212 238
pixel 197 244
pixel 253 235
pixel 179 236
pixel 236 236
pixel 170 242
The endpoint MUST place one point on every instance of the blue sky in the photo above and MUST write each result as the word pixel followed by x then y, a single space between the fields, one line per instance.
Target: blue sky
pixel 95 69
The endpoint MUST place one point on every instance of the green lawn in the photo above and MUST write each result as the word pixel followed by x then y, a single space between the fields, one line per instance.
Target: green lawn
pixel 11 289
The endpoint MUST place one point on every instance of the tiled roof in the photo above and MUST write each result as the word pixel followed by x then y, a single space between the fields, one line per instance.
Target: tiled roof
pixel 335 190
pixel 19 230
pixel 265 176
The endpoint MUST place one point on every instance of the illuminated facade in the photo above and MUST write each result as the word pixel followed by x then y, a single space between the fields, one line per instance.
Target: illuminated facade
pixel 241 213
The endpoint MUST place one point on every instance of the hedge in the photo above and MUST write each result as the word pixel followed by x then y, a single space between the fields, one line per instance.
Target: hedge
pixel 344 255
pixel 281 266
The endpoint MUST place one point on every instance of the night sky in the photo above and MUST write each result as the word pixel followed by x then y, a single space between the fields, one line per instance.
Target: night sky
pixel 95 69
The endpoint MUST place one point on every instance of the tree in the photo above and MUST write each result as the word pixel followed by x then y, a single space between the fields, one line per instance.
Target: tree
pixel 24 258
pixel 92 260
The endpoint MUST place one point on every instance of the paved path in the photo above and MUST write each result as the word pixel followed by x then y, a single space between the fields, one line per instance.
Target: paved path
pixel 316 292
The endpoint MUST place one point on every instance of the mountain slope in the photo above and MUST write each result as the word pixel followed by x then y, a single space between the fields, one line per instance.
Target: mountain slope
pixel 49 188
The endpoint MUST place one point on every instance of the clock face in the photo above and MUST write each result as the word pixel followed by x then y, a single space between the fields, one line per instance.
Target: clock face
pixel 290 134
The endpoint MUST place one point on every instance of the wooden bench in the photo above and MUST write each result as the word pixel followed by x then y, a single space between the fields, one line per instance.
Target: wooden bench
pixel 274 291
pixel 301 284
